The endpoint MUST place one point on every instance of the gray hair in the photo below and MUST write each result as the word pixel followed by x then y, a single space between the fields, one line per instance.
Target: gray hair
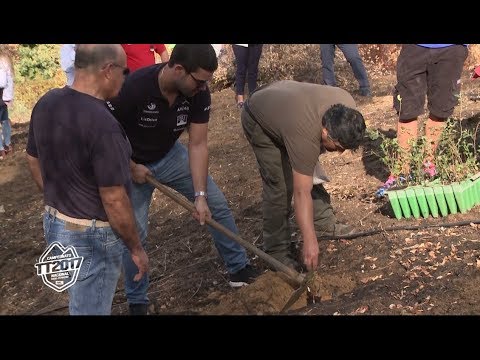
pixel 95 56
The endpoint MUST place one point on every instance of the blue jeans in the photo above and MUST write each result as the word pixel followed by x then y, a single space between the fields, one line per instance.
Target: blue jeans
pixel 92 293
pixel 6 129
pixel 353 57
pixel 173 170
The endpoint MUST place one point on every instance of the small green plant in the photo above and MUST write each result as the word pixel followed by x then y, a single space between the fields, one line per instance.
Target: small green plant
pixel 420 148
pixel 372 134
pixel 390 152
pixel 456 157
pixel 392 155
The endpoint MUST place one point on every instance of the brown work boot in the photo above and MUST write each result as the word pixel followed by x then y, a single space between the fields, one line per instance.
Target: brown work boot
pixel 8 149
pixel 337 229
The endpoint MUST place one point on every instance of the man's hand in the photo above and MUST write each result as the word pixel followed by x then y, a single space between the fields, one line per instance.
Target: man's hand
pixel 203 212
pixel 139 172
pixel 139 257
pixel 310 254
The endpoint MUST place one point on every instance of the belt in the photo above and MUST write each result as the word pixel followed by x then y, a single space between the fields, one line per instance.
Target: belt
pixel 75 221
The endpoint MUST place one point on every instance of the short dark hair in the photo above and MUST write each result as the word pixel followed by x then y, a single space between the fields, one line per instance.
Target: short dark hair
pixel 194 56
pixel 344 124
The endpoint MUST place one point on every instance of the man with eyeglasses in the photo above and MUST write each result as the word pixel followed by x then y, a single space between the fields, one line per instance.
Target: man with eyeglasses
pixel 156 104
pixel 79 156
pixel 289 124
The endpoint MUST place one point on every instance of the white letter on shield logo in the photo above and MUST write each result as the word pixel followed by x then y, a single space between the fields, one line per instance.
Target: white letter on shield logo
pixel 59 266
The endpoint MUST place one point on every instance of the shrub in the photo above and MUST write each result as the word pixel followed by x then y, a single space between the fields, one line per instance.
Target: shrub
pixel 37 70
pixel 456 157
pixel 38 61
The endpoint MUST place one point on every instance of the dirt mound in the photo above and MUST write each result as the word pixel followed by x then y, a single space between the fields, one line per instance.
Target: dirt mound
pixel 267 295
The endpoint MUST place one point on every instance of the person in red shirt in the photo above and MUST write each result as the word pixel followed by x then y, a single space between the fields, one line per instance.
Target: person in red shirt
pixel 140 55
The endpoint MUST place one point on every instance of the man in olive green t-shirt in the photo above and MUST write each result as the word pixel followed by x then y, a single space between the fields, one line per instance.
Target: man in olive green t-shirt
pixel 289 124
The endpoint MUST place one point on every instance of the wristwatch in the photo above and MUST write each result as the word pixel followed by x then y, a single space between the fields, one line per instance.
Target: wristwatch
pixel 201 193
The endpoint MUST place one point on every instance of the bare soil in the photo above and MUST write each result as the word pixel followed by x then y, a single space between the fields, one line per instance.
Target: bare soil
pixel 430 271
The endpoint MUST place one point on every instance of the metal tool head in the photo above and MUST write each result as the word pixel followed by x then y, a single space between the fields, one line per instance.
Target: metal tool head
pixel 297 293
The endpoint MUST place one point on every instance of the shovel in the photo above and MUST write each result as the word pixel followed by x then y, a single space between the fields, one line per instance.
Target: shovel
pixel 295 276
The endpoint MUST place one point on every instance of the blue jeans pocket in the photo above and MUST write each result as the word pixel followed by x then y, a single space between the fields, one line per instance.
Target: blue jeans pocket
pixel 87 253
pixel 82 242
pixel 83 245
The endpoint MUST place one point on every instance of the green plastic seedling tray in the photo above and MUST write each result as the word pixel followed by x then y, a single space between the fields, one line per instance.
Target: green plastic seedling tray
pixel 435 199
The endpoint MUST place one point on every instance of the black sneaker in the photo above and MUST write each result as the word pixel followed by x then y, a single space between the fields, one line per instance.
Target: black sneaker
pixel 243 277
pixel 137 309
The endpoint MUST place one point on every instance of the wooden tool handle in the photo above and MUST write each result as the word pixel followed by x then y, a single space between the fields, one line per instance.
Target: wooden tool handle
pixel 294 275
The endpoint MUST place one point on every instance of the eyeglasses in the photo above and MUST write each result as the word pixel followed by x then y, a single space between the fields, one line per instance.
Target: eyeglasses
pixel 125 71
pixel 200 83
pixel 336 143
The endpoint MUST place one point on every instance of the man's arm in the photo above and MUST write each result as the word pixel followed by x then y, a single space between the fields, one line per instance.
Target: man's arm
pixel 162 50
pixel 198 154
pixel 34 166
pixel 302 190
pixel 110 161
pixel 165 56
pixel 120 216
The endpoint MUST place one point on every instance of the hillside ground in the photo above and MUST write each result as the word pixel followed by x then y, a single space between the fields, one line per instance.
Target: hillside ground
pixel 429 271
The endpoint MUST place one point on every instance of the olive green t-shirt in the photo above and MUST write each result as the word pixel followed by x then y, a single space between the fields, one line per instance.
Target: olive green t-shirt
pixel 291 113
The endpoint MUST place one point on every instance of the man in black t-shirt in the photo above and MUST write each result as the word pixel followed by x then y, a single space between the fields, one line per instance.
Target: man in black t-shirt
pixel 79 157
pixel 156 104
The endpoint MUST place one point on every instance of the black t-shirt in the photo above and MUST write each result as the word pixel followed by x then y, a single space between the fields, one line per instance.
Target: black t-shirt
pixel 80 147
pixel 151 124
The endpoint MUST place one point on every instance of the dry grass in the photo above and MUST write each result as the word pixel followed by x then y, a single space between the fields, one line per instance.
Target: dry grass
pixel 302 62
pixel 299 62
